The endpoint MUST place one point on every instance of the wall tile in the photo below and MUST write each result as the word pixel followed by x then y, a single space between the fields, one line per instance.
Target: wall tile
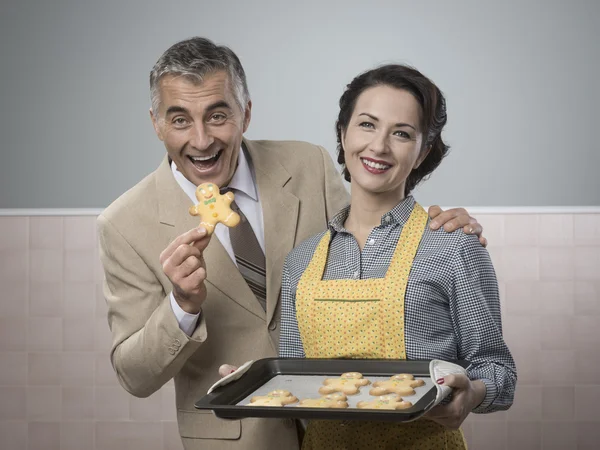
pixel 14 266
pixel 77 369
pixel 172 440
pixel 493 228
pixel 44 369
pixel 587 366
pixel 527 405
pixel 587 298
pixel 129 435
pixel 79 300
pixel 44 403
pixel 146 409
pixel 521 229
pixel 111 403
pixel 557 332
pixel 102 335
pixel 587 399
pixel 558 403
pixel 77 403
pixel 587 263
pixel 101 306
pixel 586 229
pixel 45 299
pixel 521 263
pixel 522 331
pixel 557 263
pixel 14 233
pixel 556 229
pixel 13 435
pixel 44 435
pixel 46 266
pixel 45 334
pixel 525 435
pixel 14 301
pixel 77 435
pixel 46 233
pixel 14 403
pixel 80 233
pixel 79 266
pixel 558 367
pixel 78 334
pixel 13 368
pixel 13 334
pixel 559 435
pixel 490 435
pixel 586 332
pixel 104 373
pixel 169 411
pixel 588 435
pixel 556 298
pixel 522 297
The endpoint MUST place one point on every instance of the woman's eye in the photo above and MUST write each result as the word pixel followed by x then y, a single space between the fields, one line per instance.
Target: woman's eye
pixel 402 134
pixel 366 125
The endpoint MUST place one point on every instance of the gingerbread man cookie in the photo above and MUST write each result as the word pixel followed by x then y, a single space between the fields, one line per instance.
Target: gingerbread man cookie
pixel 214 208
pixel 401 384
pixel 336 400
pixel 348 383
pixel 273 398
pixel 392 401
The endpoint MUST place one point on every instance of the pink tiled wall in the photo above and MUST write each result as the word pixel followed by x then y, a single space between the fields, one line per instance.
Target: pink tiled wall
pixel 58 390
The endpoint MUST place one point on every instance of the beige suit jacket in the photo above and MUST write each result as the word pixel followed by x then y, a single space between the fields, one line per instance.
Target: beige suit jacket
pixel 300 191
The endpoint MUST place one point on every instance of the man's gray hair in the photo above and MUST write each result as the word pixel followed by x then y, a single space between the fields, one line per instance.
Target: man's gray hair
pixel 196 58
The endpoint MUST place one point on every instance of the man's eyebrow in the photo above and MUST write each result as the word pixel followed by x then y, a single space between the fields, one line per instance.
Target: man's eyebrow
pixel 400 124
pixel 176 109
pixel 219 104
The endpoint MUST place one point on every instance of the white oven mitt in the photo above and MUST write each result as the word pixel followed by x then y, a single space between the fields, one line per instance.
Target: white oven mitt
pixel 439 369
pixel 232 376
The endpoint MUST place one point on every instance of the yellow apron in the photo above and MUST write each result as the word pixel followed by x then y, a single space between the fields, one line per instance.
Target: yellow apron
pixel 364 319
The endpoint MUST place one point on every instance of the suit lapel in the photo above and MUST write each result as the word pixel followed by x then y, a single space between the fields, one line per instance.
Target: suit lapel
pixel 280 216
pixel 175 219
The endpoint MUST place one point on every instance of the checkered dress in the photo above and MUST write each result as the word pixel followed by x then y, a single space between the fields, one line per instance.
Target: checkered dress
pixel 452 306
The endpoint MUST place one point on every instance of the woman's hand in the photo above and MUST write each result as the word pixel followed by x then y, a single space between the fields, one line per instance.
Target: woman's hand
pixel 466 395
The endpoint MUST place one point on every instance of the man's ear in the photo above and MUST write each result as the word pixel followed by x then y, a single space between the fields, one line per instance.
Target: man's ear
pixel 247 116
pixel 155 124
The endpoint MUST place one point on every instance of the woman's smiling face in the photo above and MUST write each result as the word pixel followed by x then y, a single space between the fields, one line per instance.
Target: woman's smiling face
pixel 383 140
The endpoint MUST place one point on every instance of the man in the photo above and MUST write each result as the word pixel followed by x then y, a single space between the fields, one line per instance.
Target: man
pixel 181 303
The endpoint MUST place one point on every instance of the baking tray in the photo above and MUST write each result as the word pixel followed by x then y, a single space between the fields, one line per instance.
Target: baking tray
pixel 303 377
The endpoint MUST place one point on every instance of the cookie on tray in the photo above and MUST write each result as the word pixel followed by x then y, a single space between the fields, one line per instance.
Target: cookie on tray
pixel 402 384
pixel 391 401
pixel 336 400
pixel 348 383
pixel 278 397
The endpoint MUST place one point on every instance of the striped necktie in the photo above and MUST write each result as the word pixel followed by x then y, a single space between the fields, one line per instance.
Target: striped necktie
pixel 249 257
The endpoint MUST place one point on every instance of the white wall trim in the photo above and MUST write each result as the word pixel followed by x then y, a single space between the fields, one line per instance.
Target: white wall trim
pixel 51 212
pixel 473 210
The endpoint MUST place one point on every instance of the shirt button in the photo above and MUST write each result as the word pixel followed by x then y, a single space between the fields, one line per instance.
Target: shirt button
pixel 355 275
pixel 388 219
pixel 371 241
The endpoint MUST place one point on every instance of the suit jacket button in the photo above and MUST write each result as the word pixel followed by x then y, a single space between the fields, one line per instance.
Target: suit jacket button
pixel 273 326
pixel 172 350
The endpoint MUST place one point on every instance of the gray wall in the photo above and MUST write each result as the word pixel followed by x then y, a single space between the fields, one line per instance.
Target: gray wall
pixel 520 79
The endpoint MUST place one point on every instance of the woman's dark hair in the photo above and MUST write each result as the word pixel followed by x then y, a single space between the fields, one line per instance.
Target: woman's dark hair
pixel 433 113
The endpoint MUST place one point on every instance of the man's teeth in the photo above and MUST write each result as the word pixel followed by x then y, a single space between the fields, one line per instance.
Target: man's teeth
pixel 204 158
pixel 375 165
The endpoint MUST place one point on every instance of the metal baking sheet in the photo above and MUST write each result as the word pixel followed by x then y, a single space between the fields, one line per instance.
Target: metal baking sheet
pixel 303 377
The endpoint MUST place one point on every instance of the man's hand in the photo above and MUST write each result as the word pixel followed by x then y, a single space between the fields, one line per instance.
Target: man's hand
pixel 183 263
pixel 456 218
pixel 466 395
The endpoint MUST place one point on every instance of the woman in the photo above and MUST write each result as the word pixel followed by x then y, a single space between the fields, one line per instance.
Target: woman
pixel 437 291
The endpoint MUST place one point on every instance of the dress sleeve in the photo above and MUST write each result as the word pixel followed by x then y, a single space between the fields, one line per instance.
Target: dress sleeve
pixel 475 311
